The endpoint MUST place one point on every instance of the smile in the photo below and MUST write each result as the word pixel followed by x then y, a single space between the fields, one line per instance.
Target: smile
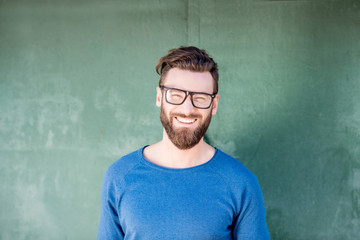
pixel 185 120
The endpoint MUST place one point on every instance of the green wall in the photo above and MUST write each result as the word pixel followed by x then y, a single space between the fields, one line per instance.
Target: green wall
pixel 77 91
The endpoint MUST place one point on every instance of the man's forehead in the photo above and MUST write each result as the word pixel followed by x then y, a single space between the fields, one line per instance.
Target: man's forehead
pixel 189 80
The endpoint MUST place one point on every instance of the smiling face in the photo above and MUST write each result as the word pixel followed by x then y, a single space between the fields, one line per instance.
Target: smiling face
pixel 184 124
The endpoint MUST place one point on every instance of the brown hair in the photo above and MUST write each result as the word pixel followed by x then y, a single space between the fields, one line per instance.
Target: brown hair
pixel 188 58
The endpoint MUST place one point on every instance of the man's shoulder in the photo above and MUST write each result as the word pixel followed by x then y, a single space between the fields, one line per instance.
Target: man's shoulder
pixel 124 164
pixel 232 169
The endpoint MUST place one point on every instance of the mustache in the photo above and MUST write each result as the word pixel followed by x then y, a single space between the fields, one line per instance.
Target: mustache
pixel 192 115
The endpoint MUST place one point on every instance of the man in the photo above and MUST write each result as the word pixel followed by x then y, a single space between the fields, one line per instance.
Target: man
pixel 181 187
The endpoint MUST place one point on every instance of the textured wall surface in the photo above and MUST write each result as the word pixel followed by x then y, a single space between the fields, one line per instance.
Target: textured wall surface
pixel 77 91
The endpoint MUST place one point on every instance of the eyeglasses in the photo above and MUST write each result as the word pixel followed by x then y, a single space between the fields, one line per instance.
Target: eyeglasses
pixel 198 99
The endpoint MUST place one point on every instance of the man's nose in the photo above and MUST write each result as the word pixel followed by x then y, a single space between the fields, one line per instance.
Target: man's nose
pixel 187 105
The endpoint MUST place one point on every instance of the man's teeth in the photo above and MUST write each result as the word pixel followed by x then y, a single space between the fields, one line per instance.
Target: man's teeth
pixel 185 120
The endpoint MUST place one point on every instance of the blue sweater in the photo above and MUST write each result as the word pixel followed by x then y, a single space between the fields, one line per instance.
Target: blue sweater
pixel 220 199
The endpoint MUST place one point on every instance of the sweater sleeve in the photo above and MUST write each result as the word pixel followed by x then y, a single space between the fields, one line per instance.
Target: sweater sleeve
pixel 109 227
pixel 250 222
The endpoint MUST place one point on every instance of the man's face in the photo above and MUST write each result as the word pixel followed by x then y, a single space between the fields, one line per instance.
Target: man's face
pixel 185 125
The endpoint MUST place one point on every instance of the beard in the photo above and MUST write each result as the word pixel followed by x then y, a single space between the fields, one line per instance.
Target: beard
pixel 184 138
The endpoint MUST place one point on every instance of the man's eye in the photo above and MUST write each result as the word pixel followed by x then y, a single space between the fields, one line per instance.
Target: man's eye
pixel 176 95
pixel 199 98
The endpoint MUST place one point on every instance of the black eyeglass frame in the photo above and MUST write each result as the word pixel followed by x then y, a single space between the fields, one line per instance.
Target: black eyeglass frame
pixel 186 94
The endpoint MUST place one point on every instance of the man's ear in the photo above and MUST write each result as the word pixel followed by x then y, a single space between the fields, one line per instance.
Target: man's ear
pixel 158 96
pixel 215 104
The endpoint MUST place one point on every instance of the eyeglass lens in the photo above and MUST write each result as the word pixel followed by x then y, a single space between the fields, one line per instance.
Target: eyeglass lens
pixel 177 97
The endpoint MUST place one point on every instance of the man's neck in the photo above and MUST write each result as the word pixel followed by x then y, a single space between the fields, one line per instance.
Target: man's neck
pixel 165 153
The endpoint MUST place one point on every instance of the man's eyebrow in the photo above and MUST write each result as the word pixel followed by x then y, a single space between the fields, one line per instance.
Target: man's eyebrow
pixel 187 90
